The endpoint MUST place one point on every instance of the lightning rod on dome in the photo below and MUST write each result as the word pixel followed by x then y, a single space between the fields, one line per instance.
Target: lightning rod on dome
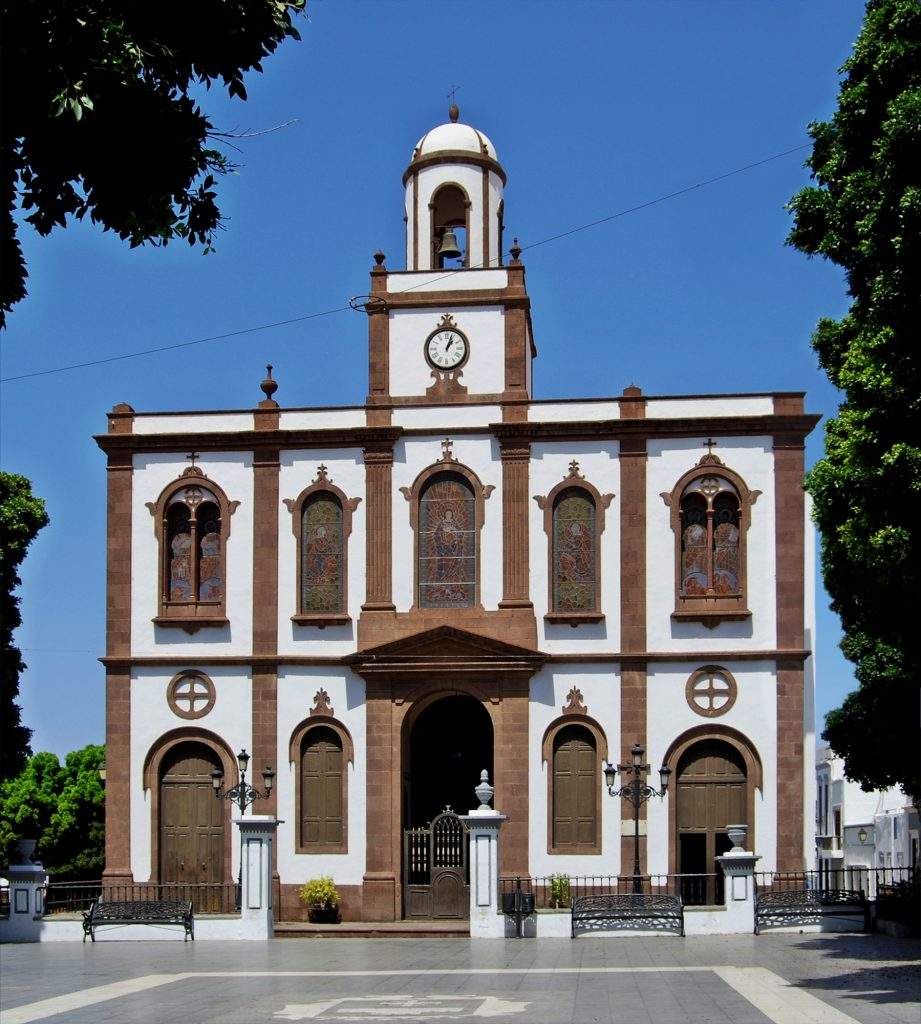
pixel 453 110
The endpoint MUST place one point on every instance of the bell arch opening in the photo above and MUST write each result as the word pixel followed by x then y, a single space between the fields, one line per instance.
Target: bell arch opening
pixel 447 745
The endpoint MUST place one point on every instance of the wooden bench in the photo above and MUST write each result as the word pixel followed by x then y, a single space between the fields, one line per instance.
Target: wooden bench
pixel 657 910
pixel 774 909
pixel 139 912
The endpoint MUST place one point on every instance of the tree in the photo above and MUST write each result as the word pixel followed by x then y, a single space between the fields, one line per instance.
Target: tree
pixel 22 515
pixel 864 213
pixel 63 807
pixel 97 116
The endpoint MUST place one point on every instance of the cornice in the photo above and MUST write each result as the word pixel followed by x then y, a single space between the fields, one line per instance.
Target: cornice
pixel 454 156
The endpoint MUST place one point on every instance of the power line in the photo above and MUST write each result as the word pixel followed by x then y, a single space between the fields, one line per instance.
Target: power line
pixel 451 273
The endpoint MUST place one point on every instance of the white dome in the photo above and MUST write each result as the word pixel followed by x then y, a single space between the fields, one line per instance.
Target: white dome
pixel 454 136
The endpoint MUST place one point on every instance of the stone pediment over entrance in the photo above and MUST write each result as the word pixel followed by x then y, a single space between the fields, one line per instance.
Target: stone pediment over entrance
pixel 447 649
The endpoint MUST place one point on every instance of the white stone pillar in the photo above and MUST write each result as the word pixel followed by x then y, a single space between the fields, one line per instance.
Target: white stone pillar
pixel 483 826
pixel 27 882
pixel 257 834
pixel 739 889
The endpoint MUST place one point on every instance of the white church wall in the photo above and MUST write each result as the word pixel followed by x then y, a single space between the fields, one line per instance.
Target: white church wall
pixel 600 686
pixel 444 417
pixel 484 327
pixel 751 458
pixel 436 281
pixel 152 717
pixel 297 470
pixel 809 674
pixel 710 405
pixel 322 419
pixel 410 457
pixel 754 714
pixel 233 473
pixel 563 412
pixel 599 464
pixel 192 423
pixel 297 686
pixel 495 190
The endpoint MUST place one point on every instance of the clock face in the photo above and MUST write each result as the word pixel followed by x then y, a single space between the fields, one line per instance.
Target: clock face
pixel 446 349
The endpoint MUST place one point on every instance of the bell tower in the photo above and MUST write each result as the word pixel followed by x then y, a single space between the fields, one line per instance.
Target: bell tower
pixel 454 202
pixel 455 325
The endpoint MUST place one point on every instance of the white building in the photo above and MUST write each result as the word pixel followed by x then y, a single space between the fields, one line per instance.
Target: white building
pixel 380 601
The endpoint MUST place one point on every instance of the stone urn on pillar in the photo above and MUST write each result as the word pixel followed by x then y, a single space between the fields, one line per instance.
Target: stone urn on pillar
pixel 483 825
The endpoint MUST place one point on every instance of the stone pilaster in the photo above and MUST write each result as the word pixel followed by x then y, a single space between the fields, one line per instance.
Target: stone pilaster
pixel 516 457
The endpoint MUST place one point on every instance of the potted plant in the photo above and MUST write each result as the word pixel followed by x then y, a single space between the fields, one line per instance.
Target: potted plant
pixel 321 898
pixel 559 891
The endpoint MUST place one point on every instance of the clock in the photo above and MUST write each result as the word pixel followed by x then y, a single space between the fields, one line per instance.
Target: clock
pixel 446 348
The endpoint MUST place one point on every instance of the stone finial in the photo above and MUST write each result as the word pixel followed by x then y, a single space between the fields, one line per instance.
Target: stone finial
pixel 574 469
pixel 269 386
pixel 484 792
pixel 446 454
pixel 379 258
pixel 515 251
pixel 576 705
pixel 321 705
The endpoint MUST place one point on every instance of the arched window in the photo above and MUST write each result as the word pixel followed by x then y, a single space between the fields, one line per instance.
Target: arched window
pixel 710 516
pixel 447 543
pixel 192 520
pixel 320 750
pixel 322 522
pixel 322 810
pixel 574 521
pixel 450 210
pixel 575 791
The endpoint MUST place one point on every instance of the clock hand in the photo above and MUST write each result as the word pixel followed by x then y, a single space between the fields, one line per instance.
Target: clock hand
pixel 450 343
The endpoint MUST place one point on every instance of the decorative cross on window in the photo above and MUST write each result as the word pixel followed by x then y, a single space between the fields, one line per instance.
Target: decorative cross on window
pixel 711 692
pixel 710 444
pixel 191 696
pixel 574 468
pixel 446 453
pixel 192 456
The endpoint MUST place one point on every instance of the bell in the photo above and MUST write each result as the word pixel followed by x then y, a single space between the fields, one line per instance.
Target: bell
pixel 448 248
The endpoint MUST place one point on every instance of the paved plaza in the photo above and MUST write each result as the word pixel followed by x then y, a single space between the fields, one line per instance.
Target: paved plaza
pixel 786 979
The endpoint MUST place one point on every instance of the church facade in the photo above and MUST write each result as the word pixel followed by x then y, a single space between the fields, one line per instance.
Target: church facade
pixel 381 601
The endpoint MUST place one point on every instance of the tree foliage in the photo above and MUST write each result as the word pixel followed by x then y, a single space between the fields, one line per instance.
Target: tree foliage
pixel 63 807
pixel 864 213
pixel 22 515
pixel 97 116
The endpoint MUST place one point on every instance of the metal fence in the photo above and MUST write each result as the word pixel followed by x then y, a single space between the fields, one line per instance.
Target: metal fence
pixel 205 897
pixel 558 891
pixel 870 881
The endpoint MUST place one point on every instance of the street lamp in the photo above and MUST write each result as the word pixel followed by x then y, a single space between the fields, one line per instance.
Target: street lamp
pixel 636 791
pixel 242 795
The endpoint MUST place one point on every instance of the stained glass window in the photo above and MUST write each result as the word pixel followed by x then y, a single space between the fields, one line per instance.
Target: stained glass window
pixel 710 538
pixel 322 583
pixel 179 553
pixel 194 548
pixel 726 544
pixel 447 543
pixel 694 567
pixel 210 569
pixel 574 568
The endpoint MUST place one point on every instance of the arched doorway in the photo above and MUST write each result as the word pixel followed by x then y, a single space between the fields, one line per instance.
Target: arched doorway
pixel 449 743
pixel 712 782
pixel 191 826
pixel 445 748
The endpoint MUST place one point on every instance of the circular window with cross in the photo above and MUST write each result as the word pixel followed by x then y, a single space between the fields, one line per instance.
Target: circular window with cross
pixel 711 691
pixel 190 694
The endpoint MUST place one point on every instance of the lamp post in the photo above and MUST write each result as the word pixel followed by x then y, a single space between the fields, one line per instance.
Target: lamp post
pixel 636 791
pixel 242 795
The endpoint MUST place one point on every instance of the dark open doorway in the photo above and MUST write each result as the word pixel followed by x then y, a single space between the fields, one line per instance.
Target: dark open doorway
pixel 449 744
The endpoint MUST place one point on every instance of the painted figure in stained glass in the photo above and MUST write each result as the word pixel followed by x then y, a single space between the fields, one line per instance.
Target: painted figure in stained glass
pixel 321 554
pixel 447 553
pixel 210 581
pixel 725 546
pixel 574 552
pixel 180 555
pixel 694 548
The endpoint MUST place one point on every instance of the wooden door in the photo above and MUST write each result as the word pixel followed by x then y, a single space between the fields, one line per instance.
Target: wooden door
pixel 191 818
pixel 322 821
pixel 712 794
pixel 575 790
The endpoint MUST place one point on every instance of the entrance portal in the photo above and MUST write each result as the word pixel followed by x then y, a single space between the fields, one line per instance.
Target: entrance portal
pixel 450 743
pixel 446 748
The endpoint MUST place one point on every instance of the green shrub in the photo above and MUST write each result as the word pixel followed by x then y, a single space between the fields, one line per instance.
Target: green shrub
pixel 319 892
pixel 559 890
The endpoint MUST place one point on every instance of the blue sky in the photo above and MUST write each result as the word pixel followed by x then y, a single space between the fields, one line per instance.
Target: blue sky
pixel 594 108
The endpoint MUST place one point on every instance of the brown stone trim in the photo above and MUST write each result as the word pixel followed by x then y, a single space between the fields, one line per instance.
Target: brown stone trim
pixel 485 262
pixel 516 457
pixel 413 494
pixel 754 777
pixel 791 569
pixel 316 721
pixel 574 480
pixel 118 775
pixel 632 404
pixel 378 339
pixel 265 550
pixel 121 419
pixel 171 694
pixel 633 699
pixel 454 156
pixel 151 777
pixel 265 735
pixel 296 507
pixel 380 894
pixel 190 615
pixel 712 609
pixel 378 527
pixel 510 298
pixel 601 755
pixel 119 480
pixel 415 221
pixel 705 672
pixel 633 546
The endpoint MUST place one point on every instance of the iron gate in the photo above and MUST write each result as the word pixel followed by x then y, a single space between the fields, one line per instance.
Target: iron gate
pixel 436 878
